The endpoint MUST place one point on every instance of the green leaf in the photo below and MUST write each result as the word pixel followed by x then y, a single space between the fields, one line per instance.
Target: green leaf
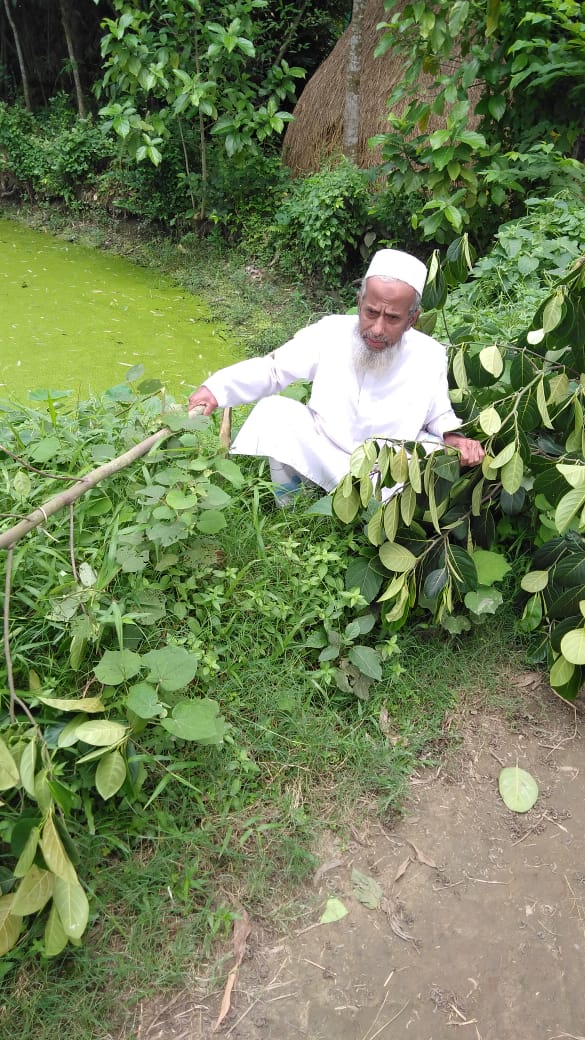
pixel 483 600
pixel 334 911
pixel 553 311
pixel 27 856
pixel 561 672
pixel 211 522
pixel 54 854
pixel 512 474
pixel 10 925
pixel 215 499
pixel 143 701
pixel 55 936
pixel 568 507
pixel 110 774
pixel 396 557
pixel 27 767
pixel 171 667
pixel 9 774
pixel 518 789
pixel 414 473
pixel 491 359
pixel 72 906
pixel 531 615
pixel 490 421
pixel 461 567
pixel 117 666
pixel 535 581
pixel 541 404
pixel 89 705
pixel 178 500
pixel 574 474
pixel 362 459
pixel 435 581
pixel 573 646
pixel 367 660
pixel 399 466
pixel 522 371
pixel 497 106
pixel 197 720
pixel 391 517
pixel 491 566
pixel 503 456
pixel 366 574
pixel 346 507
pixel 366 889
pixel 407 505
pixel 101 732
pixel 34 891
pixel 459 370
pixel 375 528
pixel 230 470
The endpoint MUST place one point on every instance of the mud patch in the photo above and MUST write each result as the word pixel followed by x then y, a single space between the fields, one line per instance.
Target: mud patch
pixel 480 929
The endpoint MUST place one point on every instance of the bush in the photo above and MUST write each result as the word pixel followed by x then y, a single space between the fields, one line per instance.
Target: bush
pixel 51 155
pixel 321 221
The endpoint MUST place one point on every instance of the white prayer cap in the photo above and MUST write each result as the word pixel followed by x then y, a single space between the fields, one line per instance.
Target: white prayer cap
pixel 392 263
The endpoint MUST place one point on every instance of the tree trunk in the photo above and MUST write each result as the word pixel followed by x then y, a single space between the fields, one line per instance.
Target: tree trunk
pixel 66 22
pixel 351 113
pixel 23 75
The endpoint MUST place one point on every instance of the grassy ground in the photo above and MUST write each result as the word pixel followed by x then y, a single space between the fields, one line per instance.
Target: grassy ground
pixel 300 755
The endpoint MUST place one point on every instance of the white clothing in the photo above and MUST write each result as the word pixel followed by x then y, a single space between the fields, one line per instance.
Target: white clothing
pixel 347 406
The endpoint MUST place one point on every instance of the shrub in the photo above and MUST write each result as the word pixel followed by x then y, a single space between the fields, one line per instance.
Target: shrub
pixel 51 155
pixel 321 220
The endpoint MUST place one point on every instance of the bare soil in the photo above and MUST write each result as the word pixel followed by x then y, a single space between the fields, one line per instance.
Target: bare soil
pixel 480 929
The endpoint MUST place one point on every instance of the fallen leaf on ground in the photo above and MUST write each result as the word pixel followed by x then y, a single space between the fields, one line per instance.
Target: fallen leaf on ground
pixel 518 789
pixel 242 929
pixel 421 856
pixel 366 889
pixel 334 911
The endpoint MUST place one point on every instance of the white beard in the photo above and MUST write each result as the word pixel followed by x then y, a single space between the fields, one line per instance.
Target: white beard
pixel 367 360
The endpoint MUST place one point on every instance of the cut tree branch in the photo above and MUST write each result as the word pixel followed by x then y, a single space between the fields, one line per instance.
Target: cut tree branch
pixel 42 513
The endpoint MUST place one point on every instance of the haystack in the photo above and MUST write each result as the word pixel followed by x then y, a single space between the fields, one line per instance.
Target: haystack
pixel 316 132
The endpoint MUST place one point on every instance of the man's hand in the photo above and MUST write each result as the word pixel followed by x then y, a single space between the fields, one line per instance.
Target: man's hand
pixel 204 397
pixel 471 452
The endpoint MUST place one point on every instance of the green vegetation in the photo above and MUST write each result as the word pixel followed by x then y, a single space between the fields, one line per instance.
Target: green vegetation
pixel 195 682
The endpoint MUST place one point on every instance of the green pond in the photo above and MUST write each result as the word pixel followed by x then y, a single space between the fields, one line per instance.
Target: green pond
pixel 74 318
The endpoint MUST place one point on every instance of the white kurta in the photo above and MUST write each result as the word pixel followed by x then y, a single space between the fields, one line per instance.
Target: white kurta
pixel 346 406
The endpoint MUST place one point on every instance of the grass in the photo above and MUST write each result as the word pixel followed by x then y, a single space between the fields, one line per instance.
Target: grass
pixel 300 757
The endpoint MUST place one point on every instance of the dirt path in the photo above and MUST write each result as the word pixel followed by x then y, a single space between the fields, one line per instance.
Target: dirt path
pixel 481 927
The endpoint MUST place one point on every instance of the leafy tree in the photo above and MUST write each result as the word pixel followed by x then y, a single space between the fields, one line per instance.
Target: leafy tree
pixel 507 77
pixel 167 66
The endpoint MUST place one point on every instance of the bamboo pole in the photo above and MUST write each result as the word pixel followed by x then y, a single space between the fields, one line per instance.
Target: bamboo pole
pixel 42 513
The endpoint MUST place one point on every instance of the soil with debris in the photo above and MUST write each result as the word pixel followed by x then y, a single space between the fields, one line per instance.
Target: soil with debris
pixel 476 918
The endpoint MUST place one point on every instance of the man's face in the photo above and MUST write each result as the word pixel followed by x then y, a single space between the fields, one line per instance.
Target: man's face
pixel 383 313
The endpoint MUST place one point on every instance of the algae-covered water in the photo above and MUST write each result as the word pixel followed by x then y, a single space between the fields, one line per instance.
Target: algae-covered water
pixel 74 318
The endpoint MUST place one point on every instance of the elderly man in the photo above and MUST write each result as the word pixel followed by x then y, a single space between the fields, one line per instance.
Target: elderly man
pixel 373 376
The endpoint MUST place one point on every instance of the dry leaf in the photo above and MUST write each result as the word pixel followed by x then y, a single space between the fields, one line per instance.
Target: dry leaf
pixel 242 929
pixel 402 868
pixel 421 856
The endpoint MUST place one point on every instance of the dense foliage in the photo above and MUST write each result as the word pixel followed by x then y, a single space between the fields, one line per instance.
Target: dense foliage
pixel 506 77
pixel 443 538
